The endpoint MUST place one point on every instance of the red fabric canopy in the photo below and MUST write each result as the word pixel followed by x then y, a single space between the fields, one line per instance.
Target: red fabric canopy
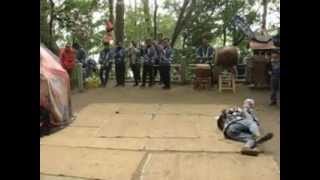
pixel 55 94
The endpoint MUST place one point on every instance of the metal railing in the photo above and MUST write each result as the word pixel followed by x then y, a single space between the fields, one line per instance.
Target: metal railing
pixel 180 73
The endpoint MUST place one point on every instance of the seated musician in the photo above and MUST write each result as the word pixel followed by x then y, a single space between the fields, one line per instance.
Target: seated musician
pixel 241 124
pixel 204 53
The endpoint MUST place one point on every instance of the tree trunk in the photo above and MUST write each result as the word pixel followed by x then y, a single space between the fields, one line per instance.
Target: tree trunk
pixel 147 17
pixel 135 11
pixel 181 15
pixel 111 18
pixel 135 5
pixel 264 15
pixel 155 19
pixel 119 25
pixel 184 17
pixel 224 30
pixel 224 35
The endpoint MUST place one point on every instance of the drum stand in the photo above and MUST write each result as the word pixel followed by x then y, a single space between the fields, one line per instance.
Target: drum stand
pixel 201 83
pixel 227 82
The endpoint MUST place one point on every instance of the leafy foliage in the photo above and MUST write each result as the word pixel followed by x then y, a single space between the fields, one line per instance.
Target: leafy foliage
pixel 75 17
pixel 83 21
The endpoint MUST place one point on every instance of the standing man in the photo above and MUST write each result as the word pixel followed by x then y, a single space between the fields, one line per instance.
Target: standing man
pixel 205 54
pixel 134 57
pixel 275 76
pixel 119 58
pixel 158 47
pixel 165 64
pixel 148 62
pixel 80 65
pixel 105 61
pixel 81 54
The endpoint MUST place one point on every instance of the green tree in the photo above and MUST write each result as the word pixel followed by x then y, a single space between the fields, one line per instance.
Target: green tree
pixel 184 18
pixel 119 24
pixel 47 36
pixel 155 19
pixel 184 21
pixel 134 23
pixel 146 11
pixel 166 24
pixel 264 15
pixel 75 22
pixel 111 16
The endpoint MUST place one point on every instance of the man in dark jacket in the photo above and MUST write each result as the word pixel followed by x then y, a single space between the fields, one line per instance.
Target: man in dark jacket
pixel 158 45
pixel 205 54
pixel 119 59
pixel 148 62
pixel 81 54
pixel 134 61
pixel 105 61
pixel 165 63
pixel 274 72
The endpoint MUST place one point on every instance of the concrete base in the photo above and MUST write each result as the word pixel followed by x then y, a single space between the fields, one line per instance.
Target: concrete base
pixel 159 135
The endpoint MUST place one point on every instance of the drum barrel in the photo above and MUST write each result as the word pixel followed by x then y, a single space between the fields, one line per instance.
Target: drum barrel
pixel 203 71
pixel 226 57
